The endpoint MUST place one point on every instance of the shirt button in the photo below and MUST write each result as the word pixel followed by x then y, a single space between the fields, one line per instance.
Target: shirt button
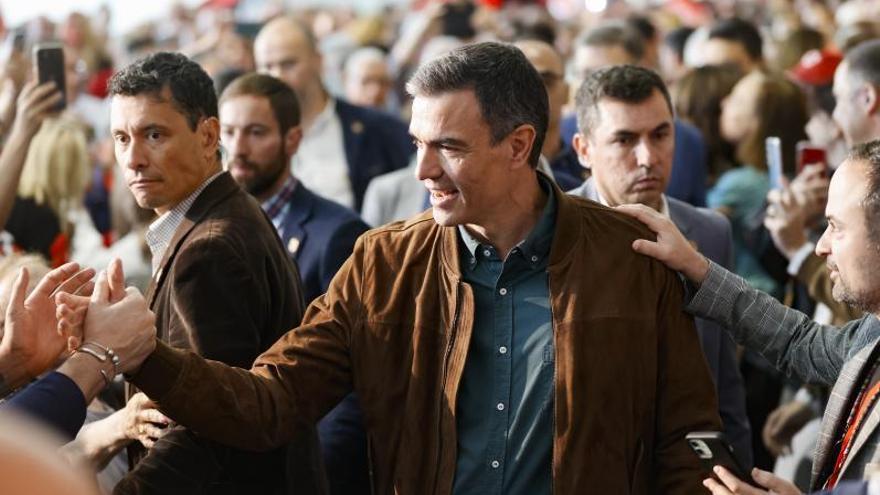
pixel 495 464
pixel 534 259
pixel 500 406
pixel 487 252
pixel 503 291
pixel 502 350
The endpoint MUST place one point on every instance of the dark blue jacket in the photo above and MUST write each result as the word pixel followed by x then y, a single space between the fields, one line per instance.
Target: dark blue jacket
pixel 375 143
pixel 319 236
pixel 54 400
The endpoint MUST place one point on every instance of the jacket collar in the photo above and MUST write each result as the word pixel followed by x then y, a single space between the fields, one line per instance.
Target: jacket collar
pixel 218 190
pixel 302 208
pixel 565 238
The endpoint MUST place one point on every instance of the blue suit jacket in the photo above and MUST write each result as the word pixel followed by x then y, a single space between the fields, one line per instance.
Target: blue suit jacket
pixel 688 179
pixel 710 231
pixel 319 236
pixel 375 143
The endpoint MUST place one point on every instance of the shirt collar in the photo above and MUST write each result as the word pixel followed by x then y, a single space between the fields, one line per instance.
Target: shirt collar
pixel 536 246
pixel 274 206
pixel 161 231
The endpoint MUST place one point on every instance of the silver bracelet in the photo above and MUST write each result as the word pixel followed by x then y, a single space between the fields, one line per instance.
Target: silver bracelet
pixel 102 354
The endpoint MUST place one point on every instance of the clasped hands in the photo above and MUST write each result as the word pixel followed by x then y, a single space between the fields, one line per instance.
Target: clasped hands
pixel 66 309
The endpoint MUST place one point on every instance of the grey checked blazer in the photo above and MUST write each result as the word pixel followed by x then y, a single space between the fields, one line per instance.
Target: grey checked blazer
pixel 802 348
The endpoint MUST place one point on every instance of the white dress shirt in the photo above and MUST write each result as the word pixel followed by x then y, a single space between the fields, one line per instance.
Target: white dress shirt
pixel 320 163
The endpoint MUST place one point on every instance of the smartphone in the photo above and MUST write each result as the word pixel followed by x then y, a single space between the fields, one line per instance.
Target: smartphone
pixel 713 449
pixel 809 154
pixel 49 60
pixel 773 149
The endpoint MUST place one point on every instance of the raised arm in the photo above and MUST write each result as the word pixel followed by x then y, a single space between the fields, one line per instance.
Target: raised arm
pixel 790 340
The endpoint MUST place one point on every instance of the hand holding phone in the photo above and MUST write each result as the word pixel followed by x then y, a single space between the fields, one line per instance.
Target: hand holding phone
pixel 713 450
pixel 773 150
pixel 49 60
pixel 810 154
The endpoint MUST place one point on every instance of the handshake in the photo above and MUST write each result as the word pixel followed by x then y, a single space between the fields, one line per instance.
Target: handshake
pixel 95 328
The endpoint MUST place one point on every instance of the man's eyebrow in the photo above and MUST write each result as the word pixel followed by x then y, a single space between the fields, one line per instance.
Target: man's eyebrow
pixel 443 141
pixel 662 127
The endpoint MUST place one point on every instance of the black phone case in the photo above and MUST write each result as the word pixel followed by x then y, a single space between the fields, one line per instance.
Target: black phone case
pixel 713 449
pixel 50 67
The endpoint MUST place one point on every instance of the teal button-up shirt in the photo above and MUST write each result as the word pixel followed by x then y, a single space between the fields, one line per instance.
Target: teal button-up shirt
pixel 505 401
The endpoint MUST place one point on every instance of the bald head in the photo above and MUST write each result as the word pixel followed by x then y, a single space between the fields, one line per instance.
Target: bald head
pixel 286 49
pixel 549 64
pixel 366 76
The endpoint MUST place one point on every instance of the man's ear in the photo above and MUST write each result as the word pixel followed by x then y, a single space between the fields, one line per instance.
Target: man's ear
pixel 581 145
pixel 209 136
pixel 521 140
pixel 870 98
pixel 292 138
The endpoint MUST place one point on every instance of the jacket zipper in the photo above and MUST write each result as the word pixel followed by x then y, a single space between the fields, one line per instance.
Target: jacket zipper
pixel 453 331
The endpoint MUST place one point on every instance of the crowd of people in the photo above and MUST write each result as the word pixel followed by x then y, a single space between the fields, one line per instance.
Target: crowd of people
pixel 454 246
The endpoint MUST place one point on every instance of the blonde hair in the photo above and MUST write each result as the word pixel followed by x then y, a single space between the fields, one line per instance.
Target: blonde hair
pixel 57 167
pixel 11 264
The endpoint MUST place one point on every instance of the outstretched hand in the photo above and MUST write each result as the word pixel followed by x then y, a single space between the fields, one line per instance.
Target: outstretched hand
pixel 671 247
pixel 31 335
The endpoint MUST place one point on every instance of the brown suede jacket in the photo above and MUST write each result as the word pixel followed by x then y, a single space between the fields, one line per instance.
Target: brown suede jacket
pixel 395 326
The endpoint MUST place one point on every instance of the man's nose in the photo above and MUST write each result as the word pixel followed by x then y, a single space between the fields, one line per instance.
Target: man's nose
pixel 427 164
pixel 644 154
pixel 133 156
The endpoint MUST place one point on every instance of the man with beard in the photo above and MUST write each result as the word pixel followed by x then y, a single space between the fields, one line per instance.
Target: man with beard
pixel 260 129
pixel 343 145
pixel 847 358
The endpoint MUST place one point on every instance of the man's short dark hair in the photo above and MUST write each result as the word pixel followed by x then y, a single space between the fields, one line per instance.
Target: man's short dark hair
pixel 281 98
pixel 740 31
pixel 192 91
pixel 627 83
pixel 615 33
pixel 508 89
pixel 869 153
pixel 863 62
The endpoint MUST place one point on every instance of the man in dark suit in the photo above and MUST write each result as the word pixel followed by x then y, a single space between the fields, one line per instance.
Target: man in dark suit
pixel 343 146
pixel 222 285
pixel 627 138
pixel 259 122
pixel 615 43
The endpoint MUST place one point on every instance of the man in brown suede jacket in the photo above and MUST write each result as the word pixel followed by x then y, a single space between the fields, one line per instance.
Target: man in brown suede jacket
pixel 507 341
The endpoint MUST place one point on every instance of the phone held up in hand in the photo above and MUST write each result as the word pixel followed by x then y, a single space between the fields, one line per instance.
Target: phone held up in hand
pixel 713 449
pixel 773 150
pixel 810 154
pixel 49 60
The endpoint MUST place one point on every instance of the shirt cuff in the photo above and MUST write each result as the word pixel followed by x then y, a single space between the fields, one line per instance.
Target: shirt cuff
pixel 796 261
